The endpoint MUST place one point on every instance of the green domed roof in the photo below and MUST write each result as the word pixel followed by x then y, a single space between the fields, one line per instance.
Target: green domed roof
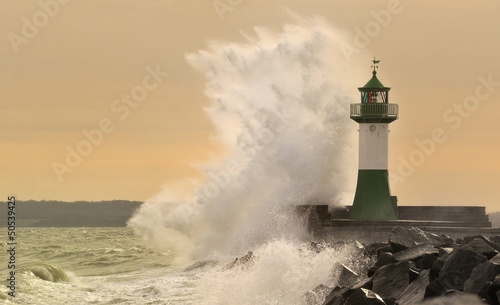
pixel 374 83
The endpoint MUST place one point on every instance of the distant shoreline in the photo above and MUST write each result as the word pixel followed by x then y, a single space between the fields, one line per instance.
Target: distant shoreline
pixel 105 213
pixel 46 213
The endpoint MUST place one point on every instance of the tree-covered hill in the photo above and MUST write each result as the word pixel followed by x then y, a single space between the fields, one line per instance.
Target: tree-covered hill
pixel 114 213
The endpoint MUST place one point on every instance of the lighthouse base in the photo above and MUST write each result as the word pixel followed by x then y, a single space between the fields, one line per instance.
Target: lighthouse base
pixel 373 200
pixel 378 231
pixel 454 221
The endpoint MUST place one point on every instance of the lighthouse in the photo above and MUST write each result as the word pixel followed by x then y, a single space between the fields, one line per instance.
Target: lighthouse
pixel 373 200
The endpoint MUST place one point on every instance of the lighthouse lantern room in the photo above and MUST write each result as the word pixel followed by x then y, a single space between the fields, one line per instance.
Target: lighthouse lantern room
pixel 373 200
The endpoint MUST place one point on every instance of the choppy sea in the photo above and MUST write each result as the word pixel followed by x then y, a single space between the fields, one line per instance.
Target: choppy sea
pixel 112 266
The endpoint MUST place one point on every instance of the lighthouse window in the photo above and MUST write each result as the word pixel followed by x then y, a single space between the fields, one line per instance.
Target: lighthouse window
pixel 373 97
pixel 369 97
pixel 383 97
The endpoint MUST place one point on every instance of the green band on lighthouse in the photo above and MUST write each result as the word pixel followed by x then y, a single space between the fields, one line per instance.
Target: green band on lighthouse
pixel 372 200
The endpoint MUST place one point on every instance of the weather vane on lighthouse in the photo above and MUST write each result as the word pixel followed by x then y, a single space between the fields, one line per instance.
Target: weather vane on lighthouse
pixel 375 65
pixel 373 200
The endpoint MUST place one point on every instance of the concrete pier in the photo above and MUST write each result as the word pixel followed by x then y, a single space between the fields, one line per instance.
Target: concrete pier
pixel 454 221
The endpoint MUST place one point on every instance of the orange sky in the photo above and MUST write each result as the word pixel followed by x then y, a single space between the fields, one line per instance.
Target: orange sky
pixel 63 76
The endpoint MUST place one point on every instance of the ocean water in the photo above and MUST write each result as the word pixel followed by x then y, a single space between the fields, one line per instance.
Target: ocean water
pixel 85 266
pixel 113 266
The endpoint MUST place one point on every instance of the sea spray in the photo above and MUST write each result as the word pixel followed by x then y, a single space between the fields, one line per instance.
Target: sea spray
pixel 281 272
pixel 280 105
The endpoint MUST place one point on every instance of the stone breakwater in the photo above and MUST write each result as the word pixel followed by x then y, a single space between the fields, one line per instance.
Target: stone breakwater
pixel 417 267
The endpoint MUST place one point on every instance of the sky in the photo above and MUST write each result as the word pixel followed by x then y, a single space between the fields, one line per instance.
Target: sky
pixel 67 67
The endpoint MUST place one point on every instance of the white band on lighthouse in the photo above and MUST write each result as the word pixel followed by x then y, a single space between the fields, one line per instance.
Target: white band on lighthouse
pixel 373 144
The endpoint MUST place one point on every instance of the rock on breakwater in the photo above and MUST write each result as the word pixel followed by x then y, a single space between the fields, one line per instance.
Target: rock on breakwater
pixel 417 267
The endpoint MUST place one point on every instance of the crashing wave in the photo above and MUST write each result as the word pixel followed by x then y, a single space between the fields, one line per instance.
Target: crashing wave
pixel 49 273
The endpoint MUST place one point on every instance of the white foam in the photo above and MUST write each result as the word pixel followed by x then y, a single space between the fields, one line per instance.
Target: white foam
pixel 281 273
pixel 280 104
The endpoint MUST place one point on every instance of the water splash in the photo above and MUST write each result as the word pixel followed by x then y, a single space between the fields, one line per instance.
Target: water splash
pixel 281 273
pixel 280 104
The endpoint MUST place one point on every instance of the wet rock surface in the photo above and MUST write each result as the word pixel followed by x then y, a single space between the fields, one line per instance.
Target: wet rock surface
pixel 458 267
pixel 415 252
pixel 415 292
pixel 417 267
pixel 391 280
pixel 243 261
pixel 480 246
pixel 363 296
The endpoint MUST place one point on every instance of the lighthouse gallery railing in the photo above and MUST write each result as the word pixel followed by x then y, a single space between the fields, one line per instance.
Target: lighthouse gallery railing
pixel 374 110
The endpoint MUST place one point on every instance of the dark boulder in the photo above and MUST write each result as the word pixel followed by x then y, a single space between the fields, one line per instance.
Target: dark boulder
pixel 490 242
pixel 443 284
pixel 387 248
pixel 455 271
pixel 426 261
pixel 494 291
pixel 385 258
pixel 416 252
pixel 496 240
pixel 371 271
pixel 366 283
pixel 480 246
pixel 337 296
pixel 455 299
pixel 391 280
pixel 481 274
pixel 445 250
pixel 415 292
pixel 363 296
pixel 397 247
pixel 437 266
pixel 346 276
pixel 462 262
pixel 376 248
pixel 483 293
pixel 244 261
pixel 413 273
pixel 409 237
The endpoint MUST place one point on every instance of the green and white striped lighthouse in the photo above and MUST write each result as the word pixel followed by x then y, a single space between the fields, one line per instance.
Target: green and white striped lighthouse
pixel 373 200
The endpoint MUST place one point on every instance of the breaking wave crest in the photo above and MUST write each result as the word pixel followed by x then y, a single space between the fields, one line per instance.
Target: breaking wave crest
pixel 49 273
pixel 280 105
